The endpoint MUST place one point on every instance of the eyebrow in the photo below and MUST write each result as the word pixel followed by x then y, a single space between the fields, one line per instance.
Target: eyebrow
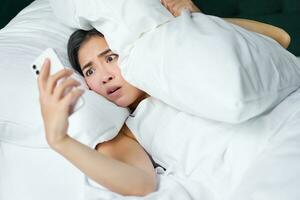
pixel 99 55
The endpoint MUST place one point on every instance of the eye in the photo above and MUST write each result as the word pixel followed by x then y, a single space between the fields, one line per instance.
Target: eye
pixel 89 72
pixel 111 58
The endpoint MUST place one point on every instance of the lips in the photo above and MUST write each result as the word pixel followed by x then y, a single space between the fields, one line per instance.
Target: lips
pixel 112 90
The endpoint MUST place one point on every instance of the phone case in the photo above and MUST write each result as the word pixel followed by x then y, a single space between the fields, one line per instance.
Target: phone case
pixel 55 62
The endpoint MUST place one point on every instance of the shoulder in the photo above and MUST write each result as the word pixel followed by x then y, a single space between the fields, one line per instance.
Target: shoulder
pixel 123 144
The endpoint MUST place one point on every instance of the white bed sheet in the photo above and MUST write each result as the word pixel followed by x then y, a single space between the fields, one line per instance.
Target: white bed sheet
pixel 40 173
pixel 37 174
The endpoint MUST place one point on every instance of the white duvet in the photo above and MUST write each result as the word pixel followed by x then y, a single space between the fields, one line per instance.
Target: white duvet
pixel 247 161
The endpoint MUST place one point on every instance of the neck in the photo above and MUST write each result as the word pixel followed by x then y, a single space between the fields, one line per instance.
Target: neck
pixel 133 106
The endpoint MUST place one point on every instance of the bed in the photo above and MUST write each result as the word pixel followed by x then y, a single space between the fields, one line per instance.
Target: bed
pixel 265 167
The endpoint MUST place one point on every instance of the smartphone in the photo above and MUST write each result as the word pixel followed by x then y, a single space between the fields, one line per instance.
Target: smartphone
pixel 56 66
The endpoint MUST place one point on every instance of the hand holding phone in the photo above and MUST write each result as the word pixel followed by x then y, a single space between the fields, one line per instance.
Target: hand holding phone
pixel 56 66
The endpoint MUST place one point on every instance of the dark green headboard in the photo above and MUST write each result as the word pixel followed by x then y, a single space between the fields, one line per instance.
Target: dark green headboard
pixel 9 9
pixel 281 13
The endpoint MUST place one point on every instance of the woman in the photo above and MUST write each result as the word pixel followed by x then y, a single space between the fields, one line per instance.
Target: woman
pixel 121 164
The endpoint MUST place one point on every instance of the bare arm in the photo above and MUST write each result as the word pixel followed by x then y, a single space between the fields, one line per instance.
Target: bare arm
pixel 278 34
pixel 123 167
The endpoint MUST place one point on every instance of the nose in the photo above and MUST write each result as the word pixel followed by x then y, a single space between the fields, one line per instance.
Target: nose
pixel 106 74
pixel 106 79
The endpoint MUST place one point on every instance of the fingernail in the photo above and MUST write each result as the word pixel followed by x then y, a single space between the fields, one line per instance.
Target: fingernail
pixel 47 61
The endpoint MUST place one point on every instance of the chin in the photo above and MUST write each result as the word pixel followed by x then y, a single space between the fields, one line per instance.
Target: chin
pixel 122 103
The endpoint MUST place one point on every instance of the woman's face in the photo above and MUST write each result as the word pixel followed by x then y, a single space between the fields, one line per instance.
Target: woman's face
pixel 102 73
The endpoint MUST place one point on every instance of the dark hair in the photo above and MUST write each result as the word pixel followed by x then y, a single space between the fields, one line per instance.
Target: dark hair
pixel 74 44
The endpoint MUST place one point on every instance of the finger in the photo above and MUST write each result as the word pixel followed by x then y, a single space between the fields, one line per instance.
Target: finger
pixel 52 81
pixel 163 2
pixel 166 4
pixel 65 85
pixel 44 75
pixel 177 10
pixel 172 7
pixel 72 97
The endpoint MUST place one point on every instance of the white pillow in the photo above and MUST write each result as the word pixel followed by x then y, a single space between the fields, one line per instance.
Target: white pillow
pixel 21 41
pixel 207 67
pixel 121 21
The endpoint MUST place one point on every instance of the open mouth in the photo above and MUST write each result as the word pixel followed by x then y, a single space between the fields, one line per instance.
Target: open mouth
pixel 112 90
